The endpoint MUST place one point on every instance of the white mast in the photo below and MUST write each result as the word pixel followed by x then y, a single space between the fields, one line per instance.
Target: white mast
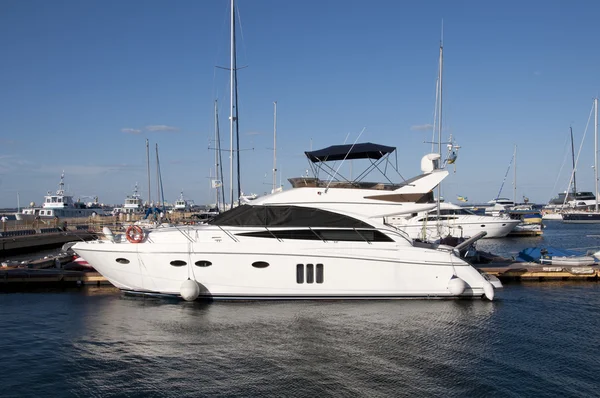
pixel 217 149
pixel 231 92
pixel 441 68
pixel 274 146
pixel 158 198
pixel 515 177
pixel 596 149
pixel 148 170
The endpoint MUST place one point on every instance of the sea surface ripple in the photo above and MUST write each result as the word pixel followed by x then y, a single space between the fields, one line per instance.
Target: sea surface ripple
pixel 537 339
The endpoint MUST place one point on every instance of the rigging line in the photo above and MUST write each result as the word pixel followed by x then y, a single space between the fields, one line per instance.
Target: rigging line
pixel 241 32
pixel 350 150
pixel 579 151
pixel 561 167
pixel 224 32
pixel 505 175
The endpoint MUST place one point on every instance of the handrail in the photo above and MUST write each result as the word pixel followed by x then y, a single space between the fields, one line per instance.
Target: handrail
pixel 359 234
pixel 228 233
pixel 272 234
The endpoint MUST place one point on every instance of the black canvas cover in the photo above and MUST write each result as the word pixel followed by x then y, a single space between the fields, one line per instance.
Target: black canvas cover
pixel 365 150
pixel 285 216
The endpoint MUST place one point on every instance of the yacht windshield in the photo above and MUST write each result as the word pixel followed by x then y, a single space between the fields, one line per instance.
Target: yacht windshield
pixel 285 216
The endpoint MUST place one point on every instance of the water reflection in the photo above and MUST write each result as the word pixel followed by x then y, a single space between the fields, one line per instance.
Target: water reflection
pixel 336 347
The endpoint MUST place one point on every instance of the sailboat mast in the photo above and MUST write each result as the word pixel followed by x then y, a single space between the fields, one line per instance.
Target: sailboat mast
pixel 274 146
pixel 441 69
pixel 237 130
pixel 596 149
pixel 148 168
pixel 573 159
pixel 217 150
pixel 515 178
pixel 231 83
pixel 157 179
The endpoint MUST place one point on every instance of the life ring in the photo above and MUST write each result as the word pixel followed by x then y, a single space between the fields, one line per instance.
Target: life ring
pixel 134 234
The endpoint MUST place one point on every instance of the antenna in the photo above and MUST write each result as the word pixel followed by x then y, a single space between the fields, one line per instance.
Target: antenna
pixel 274 146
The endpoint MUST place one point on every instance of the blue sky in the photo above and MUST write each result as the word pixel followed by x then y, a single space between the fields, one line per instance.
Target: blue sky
pixel 85 83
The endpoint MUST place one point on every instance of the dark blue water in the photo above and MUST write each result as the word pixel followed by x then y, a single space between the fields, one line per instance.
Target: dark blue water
pixel 538 340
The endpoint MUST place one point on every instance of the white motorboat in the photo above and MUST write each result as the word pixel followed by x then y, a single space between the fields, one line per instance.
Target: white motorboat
pixel 60 205
pixel 283 252
pixel 133 204
pixel 499 206
pixel 452 220
pixel 182 204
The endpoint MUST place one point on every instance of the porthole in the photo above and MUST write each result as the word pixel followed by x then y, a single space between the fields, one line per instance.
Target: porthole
pixel 260 264
pixel 482 225
pixel 178 263
pixel 203 263
pixel 122 261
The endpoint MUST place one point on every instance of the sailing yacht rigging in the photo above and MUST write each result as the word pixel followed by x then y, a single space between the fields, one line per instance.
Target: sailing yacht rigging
pixel 591 216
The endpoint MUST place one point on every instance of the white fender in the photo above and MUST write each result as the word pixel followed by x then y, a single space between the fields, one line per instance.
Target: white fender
pixel 108 234
pixel 456 286
pixel 189 290
pixel 488 290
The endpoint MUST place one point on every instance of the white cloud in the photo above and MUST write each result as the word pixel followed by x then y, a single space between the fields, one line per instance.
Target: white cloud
pixel 13 164
pixel 161 127
pixel 131 131
pixel 422 127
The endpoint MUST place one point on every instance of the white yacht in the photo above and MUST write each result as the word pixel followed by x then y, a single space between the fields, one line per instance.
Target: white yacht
pixel 499 206
pixel 61 205
pixel 452 220
pixel 133 204
pixel 283 252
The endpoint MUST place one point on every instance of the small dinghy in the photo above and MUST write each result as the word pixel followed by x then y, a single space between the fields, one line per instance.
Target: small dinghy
pixel 555 256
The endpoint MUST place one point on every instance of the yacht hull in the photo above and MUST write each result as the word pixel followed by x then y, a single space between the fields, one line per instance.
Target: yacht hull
pixel 274 270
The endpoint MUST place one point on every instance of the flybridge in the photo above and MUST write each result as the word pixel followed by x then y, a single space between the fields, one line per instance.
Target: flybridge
pixel 365 150
pixel 322 162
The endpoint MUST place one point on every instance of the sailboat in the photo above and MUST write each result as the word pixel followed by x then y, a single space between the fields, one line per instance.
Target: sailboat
pixel 568 200
pixel 590 216
pixel 528 217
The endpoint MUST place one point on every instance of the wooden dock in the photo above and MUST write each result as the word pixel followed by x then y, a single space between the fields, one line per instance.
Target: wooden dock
pixel 39 240
pixel 23 278
pixel 541 273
